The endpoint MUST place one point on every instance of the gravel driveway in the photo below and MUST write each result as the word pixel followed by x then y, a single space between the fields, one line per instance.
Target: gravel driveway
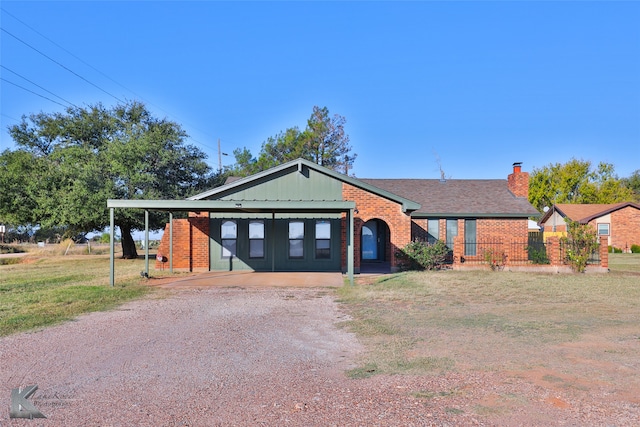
pixel 232 356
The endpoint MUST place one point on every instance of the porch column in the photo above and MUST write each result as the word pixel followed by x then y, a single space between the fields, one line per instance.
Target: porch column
pixel 146 243
pixel 350 245
pixel 171 242
pixel 111 245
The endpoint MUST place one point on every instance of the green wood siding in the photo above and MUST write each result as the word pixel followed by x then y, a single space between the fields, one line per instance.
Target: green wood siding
pixel 291 184
pixel 276 246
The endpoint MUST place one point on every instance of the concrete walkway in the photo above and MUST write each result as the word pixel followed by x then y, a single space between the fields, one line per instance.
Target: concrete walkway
pixel 250 279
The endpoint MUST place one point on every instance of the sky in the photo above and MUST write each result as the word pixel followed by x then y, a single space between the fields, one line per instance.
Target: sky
pixel 466 88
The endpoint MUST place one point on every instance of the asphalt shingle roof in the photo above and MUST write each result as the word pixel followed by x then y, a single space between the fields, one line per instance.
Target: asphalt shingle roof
pixel 585 212
pixel 461 197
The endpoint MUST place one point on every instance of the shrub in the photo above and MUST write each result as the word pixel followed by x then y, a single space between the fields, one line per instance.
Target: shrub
pixel 635 249
pixel 580 242
pixel 418 255
pixel 495 258
pixel 538 255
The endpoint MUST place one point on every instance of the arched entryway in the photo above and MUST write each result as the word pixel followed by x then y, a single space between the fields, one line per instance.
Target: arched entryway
pixel 374 246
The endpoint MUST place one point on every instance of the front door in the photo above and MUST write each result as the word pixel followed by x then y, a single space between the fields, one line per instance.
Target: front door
pixel 370 241
pixel 374 240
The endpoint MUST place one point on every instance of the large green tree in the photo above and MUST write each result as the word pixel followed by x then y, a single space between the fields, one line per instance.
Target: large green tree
pixel 68 164
pixel 323 141
pixel 576 181
pixel 633 183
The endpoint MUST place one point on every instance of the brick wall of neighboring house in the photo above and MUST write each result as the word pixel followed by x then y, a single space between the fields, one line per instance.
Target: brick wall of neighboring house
pixel 624 229
pixel 371 206
pixel 190 243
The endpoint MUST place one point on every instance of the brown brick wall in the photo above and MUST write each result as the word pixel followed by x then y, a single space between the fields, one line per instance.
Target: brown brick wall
pixel 371 206
pixel 190 243
pixel 624 228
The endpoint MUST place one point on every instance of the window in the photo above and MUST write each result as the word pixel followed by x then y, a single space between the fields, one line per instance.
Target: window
pixel 433 230
pixel 296 239
pixel 256 239
pixel 229 237
pixel 603 229
pixel 452 231
pixel 323 239
pixel 470 237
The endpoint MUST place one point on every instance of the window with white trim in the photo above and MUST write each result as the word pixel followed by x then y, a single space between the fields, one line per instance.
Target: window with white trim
pixel 323 239
pixel 256 239
pixel 296 239
pixel 603 229
pixel 229 237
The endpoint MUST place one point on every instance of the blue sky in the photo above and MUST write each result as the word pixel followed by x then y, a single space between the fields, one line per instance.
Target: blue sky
pixel 473 86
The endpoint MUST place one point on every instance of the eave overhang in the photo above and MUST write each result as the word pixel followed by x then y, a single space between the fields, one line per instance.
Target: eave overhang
pixel 472 215
pixel 234 206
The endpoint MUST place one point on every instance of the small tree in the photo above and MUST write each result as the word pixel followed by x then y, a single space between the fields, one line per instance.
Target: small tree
pixel 418 255
pixel 580 243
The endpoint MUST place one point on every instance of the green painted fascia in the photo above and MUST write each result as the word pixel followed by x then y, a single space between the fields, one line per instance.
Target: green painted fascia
pixel 234 206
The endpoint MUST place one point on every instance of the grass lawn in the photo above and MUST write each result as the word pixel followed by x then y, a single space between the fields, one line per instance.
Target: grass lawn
pixel 41 291
pixel 430 322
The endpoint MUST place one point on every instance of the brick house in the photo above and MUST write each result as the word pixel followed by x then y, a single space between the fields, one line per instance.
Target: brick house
pixel 300 216
pixel 619 223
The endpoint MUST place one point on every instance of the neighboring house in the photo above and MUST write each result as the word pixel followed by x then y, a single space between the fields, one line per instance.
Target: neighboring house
pixel 619 222
pixel 300 216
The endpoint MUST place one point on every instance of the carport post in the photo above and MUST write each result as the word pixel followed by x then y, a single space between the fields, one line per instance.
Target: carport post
pixel 171 242
pixel 350 247
pixel 146 243
pixel 111 238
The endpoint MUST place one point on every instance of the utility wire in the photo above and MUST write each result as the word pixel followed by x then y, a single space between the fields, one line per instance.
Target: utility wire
pixel 98 71
pixel 58 63
pixel 88 65
pixel 35 84
pixel 35 93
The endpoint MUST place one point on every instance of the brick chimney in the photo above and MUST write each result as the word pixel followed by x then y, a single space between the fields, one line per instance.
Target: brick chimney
pixel 518 181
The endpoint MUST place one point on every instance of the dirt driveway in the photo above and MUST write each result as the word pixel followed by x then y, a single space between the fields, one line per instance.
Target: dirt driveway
pixel 258 357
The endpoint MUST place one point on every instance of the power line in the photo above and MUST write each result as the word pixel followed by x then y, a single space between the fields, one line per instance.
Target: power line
pixel 90 66
pixel 35 84
pixel 58 63
pixel 35 93
pixel 98 71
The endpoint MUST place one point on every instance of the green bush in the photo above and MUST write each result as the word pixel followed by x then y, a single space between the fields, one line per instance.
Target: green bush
pixel 580 242
pixel 419 255
pixel 614 250
pixel 635 249
pixel 538 255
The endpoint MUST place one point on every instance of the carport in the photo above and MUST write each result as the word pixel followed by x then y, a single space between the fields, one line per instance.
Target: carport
pixel 244 206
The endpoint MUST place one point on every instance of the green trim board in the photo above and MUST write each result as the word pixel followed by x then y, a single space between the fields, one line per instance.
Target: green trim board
pixel 234 206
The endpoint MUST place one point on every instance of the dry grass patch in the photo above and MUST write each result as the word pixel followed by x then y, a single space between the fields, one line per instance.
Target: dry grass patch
pixel 433 322
pixel 42 291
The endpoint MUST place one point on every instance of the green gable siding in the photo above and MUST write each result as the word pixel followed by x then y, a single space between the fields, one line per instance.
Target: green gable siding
pixel 289 184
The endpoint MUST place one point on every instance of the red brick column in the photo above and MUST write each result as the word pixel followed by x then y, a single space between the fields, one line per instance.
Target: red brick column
pixel 604 252
pixel 458 249
pixel 199 240
pixel 553 250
